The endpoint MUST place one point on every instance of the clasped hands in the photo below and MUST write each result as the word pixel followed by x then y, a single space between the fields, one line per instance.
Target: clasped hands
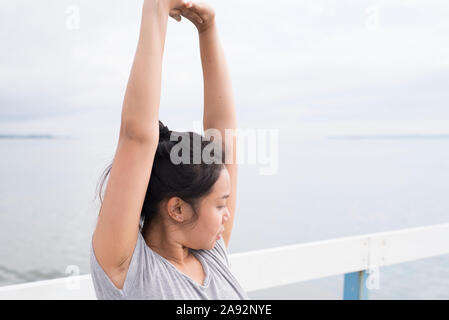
pixel 200 14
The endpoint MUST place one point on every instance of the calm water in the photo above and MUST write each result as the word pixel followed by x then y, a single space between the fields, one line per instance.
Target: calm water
pixel 324 188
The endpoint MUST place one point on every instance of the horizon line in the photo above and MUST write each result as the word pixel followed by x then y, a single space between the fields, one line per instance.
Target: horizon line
pixel 391 136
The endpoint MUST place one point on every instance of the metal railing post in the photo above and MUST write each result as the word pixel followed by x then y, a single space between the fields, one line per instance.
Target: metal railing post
pixel 354 287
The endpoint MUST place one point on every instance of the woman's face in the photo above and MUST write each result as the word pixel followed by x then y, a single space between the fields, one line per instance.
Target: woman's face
pixel 212 214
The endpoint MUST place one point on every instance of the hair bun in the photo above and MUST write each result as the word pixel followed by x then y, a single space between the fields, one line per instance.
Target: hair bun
pixel 164 132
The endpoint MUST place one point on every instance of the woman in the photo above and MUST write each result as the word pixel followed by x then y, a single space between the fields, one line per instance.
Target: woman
pixel 164 228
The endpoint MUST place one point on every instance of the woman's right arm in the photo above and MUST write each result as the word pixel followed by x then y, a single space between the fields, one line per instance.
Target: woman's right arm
pixel 117 228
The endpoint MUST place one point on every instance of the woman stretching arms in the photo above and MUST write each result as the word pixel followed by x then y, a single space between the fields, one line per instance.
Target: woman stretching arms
pixel 164 228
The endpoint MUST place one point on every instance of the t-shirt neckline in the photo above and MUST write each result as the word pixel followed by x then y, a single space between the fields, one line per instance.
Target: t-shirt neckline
pixel 197 255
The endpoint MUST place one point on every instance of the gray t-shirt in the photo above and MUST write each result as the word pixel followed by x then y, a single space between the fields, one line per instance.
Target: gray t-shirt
pixel 150 276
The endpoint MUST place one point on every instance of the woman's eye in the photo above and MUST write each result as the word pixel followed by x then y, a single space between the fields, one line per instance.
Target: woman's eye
pixel 221 207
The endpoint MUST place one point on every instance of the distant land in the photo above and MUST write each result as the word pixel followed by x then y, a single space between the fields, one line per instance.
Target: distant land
pixel 389 137
pixel 33 136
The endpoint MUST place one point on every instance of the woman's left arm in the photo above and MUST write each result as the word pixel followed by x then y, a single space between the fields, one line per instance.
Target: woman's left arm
pixel 219 107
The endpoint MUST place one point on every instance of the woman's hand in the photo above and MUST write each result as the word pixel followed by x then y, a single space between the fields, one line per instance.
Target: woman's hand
pixel 200 14
pixel 165 4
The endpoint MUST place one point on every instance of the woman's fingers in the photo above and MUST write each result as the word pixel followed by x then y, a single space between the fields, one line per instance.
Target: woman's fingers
pixel 197 7
pixel 175 14
pixel 195 16
pixel 191 10
pixel 191 15
pixel 199 13
pixel 203 10
pixel 176 17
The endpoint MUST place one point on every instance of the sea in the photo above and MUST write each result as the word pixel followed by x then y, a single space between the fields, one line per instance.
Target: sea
pixel 322 188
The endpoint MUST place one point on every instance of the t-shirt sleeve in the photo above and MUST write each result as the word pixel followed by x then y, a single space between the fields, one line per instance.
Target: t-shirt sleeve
pixel 221 251
pixel 104 287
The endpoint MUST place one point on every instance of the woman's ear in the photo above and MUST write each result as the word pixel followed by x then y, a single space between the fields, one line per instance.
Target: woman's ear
pixel 174 209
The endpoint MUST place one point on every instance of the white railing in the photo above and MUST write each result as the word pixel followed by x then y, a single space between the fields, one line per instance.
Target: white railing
pixel 352 256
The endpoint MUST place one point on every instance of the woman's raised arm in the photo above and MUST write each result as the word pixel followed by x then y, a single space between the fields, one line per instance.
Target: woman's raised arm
pixel 117 226
pixel 219 106
pixel 140 113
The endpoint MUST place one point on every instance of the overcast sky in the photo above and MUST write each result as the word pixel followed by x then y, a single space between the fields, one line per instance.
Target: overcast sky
pixel 312 67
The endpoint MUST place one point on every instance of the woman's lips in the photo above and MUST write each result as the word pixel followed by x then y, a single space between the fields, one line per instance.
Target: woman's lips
pixel 220 234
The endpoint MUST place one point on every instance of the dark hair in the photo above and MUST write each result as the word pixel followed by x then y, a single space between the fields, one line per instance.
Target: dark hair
pixel 190 181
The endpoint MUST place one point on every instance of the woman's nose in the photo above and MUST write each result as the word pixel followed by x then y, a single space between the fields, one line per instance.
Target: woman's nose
pixel 226 216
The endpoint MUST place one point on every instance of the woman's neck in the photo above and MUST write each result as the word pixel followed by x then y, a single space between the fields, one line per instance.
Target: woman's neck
pixel 165 244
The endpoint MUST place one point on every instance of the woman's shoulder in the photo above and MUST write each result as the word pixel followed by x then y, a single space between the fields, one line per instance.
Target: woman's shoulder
pixel 219 252
pixel 104 285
